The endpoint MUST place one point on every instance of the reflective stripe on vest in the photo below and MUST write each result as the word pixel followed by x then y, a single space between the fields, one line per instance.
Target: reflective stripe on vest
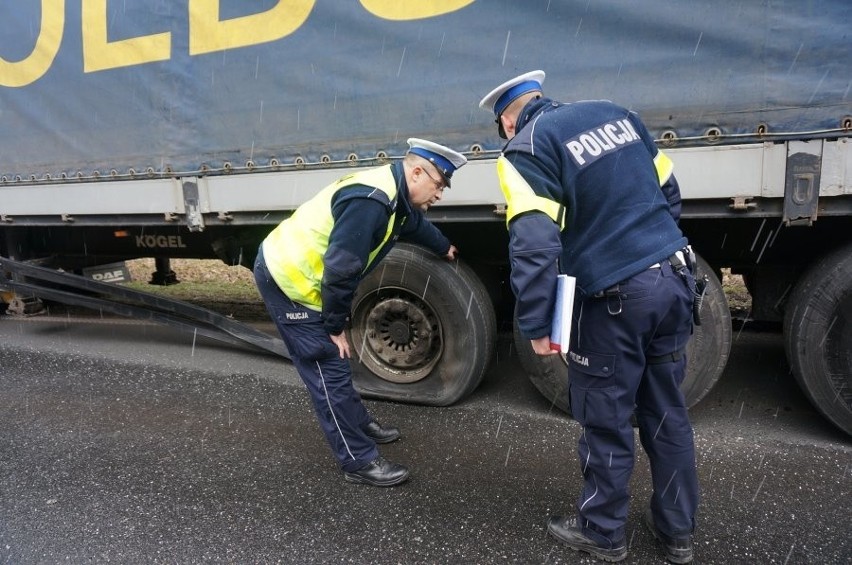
pixel 664 167
pixel 521 198
pixel 295 249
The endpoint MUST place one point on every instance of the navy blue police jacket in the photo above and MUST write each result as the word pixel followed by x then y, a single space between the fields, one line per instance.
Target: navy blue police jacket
pixel 596 159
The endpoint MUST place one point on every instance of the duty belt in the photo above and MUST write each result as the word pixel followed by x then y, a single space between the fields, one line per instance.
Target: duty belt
pixel 678 260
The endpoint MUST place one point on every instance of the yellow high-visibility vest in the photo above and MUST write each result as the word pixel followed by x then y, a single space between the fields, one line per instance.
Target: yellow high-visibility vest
pixel 521 198
pixel 295 249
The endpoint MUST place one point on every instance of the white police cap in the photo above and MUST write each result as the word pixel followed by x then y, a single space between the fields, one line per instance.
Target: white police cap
pixel 498 99
pixel 445 159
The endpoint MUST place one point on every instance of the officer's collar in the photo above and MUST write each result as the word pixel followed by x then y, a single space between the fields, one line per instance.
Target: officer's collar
pixel 532 108
pixel 398 172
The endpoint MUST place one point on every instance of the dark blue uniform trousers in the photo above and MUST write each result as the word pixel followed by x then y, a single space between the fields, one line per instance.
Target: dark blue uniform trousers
pixel 342 415
pixel 628 354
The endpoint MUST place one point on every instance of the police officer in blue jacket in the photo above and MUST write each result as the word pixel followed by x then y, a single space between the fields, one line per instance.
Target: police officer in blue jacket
pixel 307 271
pixel 589 194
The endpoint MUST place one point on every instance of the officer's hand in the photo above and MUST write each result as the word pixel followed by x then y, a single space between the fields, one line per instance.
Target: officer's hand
pixel 542 346
pixel 451 254
pixel 342 344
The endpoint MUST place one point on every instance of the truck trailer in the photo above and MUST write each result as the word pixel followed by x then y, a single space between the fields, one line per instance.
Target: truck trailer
pixel 189 129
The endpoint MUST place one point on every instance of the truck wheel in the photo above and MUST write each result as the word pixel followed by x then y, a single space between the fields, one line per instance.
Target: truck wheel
pixel 710 346
pixel 423 329
pixel 549 374
pixel 818 336
pixel 707 352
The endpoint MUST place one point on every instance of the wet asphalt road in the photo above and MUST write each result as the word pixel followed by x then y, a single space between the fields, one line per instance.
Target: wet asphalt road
pixel 130 444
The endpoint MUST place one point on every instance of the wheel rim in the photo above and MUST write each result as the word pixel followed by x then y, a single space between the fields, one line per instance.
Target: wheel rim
pixel 397 335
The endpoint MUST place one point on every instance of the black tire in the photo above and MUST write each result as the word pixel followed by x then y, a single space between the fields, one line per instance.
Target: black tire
pixel 548 373
pixel 818 336
pixel 423 329
pixel 707 352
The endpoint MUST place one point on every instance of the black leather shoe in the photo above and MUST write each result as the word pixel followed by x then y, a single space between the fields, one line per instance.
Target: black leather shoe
pixel 678 550
pixel 566 530
pixel 378 473
pixel 378 434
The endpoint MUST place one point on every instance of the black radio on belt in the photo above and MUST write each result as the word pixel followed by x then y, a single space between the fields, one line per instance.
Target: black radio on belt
pixel 700 289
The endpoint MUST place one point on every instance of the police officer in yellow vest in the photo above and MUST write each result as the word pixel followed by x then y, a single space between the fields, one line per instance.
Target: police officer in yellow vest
pixel 308 268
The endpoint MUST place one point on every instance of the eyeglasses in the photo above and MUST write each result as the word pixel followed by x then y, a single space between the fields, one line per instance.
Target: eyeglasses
pixel 438 184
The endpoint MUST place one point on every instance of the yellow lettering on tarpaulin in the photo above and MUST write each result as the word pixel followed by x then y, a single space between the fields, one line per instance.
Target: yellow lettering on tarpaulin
pixel 100 54
pixel 33 67
pixel 412 9
pixel 207 33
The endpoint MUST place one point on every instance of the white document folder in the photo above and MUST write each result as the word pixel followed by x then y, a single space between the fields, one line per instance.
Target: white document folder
pixel 560 332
